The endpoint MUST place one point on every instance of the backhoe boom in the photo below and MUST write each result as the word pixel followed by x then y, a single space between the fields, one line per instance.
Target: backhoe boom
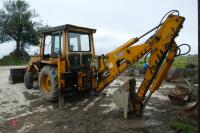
pixel 162 49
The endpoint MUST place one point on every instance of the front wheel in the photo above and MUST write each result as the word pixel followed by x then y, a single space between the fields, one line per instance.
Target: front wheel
pixel 28 80
pixel 48 83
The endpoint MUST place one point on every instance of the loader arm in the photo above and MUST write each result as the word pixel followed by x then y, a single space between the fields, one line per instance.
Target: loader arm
pixel 162 50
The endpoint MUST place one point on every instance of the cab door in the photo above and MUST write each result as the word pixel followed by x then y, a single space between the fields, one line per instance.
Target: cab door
pixel 80 53
pixel 53 45
pixel 56 44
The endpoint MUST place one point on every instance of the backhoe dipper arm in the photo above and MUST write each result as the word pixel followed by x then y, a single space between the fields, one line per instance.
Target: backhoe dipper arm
pixel 162 49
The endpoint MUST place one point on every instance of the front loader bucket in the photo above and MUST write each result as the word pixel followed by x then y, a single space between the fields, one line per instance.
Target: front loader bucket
pixel 16 75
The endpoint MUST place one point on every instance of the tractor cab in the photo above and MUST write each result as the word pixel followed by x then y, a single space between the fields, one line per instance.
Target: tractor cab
pixel 73 43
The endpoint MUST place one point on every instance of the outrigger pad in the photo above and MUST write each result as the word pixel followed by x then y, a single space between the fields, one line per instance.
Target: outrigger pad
pixel 16 75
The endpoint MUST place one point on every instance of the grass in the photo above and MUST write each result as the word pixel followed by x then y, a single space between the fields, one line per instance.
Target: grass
pixel 140 63
pixel 14 59
pixel 183 127
pixel 179 62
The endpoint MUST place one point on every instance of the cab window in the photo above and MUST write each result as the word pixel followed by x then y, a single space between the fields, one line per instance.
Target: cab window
pixel 53 45
pixel 56 45
pixel 78 42
pixel 48 45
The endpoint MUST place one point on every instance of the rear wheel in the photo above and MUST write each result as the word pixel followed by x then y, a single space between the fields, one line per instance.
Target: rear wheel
pixel 28 80
pixel 48 83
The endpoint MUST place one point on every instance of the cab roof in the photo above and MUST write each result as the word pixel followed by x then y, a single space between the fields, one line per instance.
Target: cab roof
pixel 68 27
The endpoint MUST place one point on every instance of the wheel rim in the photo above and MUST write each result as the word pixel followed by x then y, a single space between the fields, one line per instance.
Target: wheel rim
pixel 46 84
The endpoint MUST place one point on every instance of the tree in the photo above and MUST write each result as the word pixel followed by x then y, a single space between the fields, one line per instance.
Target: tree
pixel 16 23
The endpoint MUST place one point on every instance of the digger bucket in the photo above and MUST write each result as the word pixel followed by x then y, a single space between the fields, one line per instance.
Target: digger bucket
pixel 17 75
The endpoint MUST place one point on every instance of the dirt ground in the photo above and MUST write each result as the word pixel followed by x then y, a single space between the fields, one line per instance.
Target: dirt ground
pixel 23 110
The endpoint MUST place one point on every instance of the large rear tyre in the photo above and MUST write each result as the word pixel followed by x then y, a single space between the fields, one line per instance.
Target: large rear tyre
pixel 48 83
pixel 28 80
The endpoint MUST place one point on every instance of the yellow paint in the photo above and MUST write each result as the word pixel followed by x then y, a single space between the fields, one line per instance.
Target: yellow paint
pixel 162 45
pixel 162 48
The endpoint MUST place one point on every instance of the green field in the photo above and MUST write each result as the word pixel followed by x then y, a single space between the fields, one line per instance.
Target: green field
pixel 179 62
pixel 14 60
pixel 184 127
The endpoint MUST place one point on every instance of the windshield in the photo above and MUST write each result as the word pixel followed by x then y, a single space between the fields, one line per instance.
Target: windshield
pixel 78 42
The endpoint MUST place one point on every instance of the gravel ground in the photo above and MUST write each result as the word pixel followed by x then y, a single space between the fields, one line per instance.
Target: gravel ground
pixel 23 110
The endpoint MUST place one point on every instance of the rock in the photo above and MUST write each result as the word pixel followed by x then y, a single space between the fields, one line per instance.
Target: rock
pixel 194 92
pixel 179 95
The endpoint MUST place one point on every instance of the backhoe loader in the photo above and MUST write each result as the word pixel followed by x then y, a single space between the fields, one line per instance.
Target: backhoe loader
pixel 67 60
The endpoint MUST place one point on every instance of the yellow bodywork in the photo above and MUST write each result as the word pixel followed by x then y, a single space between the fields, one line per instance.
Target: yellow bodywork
pixel 162 48
pixel 104 69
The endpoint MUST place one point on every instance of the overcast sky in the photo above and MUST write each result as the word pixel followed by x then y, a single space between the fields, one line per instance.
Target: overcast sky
pixel 116 21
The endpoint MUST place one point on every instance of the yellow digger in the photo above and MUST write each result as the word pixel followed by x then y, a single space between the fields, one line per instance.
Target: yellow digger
pixel 67 60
